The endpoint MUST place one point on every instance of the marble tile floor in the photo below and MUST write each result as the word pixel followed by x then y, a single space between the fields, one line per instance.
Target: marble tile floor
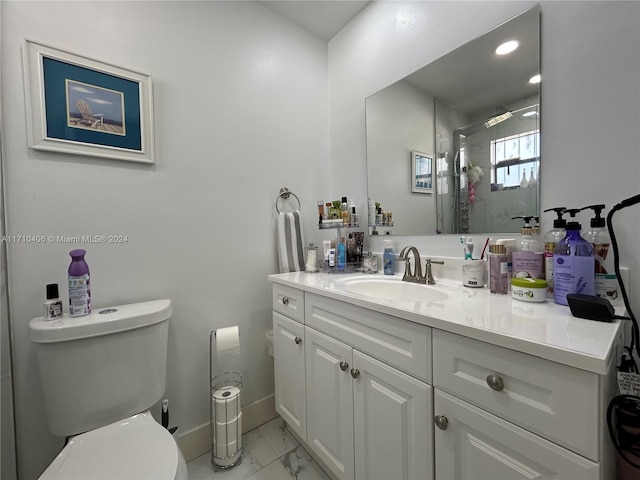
pixel 270 453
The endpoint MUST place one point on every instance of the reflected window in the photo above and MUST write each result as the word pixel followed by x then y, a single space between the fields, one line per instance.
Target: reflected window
pixel 515 161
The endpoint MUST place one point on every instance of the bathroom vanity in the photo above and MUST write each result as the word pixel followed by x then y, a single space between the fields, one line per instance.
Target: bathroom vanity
pixel 385 379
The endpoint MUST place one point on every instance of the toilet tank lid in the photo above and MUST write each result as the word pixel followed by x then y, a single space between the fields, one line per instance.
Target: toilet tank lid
pixel 101 321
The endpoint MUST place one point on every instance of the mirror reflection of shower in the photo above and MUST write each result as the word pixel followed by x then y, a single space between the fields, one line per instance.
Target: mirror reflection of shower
pixel 496 153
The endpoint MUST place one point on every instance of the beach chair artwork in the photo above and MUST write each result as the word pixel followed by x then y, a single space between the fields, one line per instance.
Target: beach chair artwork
pixel 88 117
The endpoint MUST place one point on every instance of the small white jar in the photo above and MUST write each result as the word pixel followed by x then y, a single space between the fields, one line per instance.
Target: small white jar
pixel 529 289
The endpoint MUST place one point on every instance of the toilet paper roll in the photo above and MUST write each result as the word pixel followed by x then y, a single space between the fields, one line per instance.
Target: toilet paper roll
pixel 226 460
pixel 227 341
pixel 226 403
pixel 228 349
pixel 229 432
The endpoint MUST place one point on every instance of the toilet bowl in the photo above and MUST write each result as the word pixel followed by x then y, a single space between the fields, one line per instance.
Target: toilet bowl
pixel 97 373
pixel 137 447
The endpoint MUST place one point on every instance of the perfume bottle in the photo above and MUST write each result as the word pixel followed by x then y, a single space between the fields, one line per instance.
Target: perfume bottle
pixel 53 305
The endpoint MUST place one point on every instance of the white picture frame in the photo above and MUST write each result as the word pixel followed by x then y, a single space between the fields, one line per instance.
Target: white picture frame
pixel 422 172
pixel 80 106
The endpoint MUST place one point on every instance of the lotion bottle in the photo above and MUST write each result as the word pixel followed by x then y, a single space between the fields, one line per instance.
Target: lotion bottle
pixel 341 253
pixel 573 263
pixel 388 261
pixel 606 281
pixel 551 238
pixel 79 284
pixel 528 257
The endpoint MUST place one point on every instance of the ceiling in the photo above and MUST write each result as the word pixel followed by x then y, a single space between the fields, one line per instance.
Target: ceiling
pixel 324 18
pixel 472 78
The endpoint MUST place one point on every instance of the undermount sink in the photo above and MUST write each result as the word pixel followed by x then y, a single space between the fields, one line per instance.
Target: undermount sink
pixel 393 289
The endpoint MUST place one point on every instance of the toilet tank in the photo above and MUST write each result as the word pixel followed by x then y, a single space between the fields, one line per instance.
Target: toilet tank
pixel 103 367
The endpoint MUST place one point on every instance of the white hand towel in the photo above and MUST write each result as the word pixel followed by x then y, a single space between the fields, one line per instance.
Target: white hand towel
pixel 290 242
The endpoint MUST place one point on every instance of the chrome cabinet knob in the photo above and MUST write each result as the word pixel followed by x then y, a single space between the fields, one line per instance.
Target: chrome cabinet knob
pixel 355 373
pixel 344 366
pixel 298 340
pixel 285 301
pixel 495 382
pixel 441 422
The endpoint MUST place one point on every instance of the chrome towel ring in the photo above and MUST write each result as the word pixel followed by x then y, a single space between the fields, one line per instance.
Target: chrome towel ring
pixel 284 194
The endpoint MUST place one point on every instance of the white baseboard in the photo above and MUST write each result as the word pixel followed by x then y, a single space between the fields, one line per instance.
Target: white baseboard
pixel 197 441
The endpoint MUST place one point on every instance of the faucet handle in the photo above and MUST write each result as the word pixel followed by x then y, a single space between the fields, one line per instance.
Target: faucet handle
pixel 437 262
pixel 428 275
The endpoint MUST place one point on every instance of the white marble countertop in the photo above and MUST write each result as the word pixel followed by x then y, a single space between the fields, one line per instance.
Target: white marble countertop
pixel 546 330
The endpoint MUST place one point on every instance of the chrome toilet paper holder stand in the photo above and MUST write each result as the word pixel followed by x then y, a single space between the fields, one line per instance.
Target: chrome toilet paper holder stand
pixel 230 383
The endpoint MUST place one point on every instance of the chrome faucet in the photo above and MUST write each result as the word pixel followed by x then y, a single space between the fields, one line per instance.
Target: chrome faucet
pixel 428 274
pixel 414 276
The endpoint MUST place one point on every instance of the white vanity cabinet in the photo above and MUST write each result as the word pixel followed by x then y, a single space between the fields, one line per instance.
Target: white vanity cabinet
pixel 376 395
pixel 365 418
pixel 289 373
pixel 288 347
pixel 504 414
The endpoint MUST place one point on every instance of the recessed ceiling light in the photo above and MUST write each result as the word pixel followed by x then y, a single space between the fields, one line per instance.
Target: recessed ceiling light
pixel 507 47
pixel 530 114
pixel 535 79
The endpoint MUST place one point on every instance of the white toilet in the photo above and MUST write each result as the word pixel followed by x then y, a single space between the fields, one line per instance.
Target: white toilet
pixel 100 375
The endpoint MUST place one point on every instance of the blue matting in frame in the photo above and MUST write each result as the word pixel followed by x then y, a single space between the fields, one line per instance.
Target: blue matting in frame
pixel 56 73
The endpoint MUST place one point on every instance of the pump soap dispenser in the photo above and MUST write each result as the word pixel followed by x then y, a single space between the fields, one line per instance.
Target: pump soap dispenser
pixel 551 238
pixel 528 256
pixel 573 263
pixel 606 281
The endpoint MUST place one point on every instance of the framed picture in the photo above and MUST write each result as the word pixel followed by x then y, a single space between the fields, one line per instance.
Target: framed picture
pixel 82 106
pixel 421 172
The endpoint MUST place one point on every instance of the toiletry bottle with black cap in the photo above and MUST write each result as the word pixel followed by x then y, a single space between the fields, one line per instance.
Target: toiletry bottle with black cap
pixel 573 263
pixel 53 305
pixel 606 281
pixel 551 238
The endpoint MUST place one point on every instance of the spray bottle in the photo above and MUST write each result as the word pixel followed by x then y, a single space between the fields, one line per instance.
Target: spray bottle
pixel 528 257
pixel 573 263
pixel 551 238
pixel 606 282
pixel 79 284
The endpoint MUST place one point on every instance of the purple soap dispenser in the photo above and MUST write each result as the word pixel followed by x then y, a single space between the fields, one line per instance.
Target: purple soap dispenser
pixel 79 285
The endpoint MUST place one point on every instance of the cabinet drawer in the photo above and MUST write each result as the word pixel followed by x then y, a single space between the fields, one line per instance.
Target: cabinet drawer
pixel 553 400
pixel 288 301
pixel 398 342
pixel 473 443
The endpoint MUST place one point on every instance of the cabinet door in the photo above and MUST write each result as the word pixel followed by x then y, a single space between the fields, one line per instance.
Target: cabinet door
pixel 288 350
pixel 473 443
pixel 330 402
pixel 392 418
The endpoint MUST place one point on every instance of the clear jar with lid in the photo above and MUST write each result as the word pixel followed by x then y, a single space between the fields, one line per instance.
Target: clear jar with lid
pixel 499 270
pixel 311 264
pixel 369 263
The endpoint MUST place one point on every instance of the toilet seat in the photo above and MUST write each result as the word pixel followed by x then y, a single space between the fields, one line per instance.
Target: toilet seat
pixel 135 447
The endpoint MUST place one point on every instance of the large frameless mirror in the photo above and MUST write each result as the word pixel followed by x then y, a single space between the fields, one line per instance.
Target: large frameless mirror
pixel 475 115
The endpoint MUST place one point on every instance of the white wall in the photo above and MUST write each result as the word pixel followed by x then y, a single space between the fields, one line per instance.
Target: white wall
pixel 240 111
pixel 397 119
pixel 590 97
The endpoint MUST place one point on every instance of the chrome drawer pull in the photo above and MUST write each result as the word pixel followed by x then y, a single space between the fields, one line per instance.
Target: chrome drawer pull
pixel 298 340
pixel 285 301
pixel 344 366
pixel 355 373
pixel 495 382
pixel 441 422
